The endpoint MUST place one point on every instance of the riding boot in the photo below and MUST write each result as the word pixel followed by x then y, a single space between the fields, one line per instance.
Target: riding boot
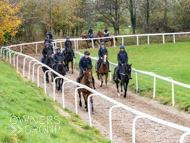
pixel 93 82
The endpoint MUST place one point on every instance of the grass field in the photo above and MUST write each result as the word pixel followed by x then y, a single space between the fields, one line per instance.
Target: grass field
pixel 23 104
pixel 168 60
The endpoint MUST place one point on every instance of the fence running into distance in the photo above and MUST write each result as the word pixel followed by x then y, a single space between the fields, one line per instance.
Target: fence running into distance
pixel 7 53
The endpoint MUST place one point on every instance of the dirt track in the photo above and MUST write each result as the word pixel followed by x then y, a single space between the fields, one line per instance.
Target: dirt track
pixel 146 131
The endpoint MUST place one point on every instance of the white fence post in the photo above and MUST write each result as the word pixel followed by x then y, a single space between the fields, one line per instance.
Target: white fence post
pixel 33 71
pixel 92 43
pixel 174 38
pixel 24 65
pixel 88 102
pixel 183 136
pixel 17 62
pixel 114 41
pixel 137 40
pixel 133 129
pixel 38 79
pixel 75 44
pixel 148 40
pixel 20 48
pixel 123 41
pixel 163 39
pixel 29 68
pixel 36 48
pixel 61 46
pixel 63 94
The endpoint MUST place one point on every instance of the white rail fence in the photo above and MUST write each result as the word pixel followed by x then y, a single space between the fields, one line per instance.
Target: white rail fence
pixel 10 53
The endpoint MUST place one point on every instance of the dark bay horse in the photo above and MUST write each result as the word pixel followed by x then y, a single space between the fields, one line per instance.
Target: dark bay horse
pixel 103 69
pixel 68 58
pixel 49 63
pixel 100 34
pixel 85 36
pixel 61 70
pixel 124 77
pixel 86 80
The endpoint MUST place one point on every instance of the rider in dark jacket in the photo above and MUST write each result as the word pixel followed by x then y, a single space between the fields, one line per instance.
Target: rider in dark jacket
pixel 101 52
pixel 90 32
pixel 83 63
pixel 47 40
pixel 44 52
pixel 122 58
pixel 58 53
pixel 106 32
pixel 50 36
pixel 68 44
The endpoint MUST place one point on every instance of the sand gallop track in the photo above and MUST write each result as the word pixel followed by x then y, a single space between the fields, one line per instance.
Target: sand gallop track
pixel 146 131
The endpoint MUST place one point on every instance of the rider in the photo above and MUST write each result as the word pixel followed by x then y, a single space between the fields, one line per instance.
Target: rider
pixel 47 40
pixel 84 62
pixel 68 44
pixel 50 36
pixel 44 52
pixel 106 32
pixel 58 53
pixel 90 32
pixel 101 51
pixel 122 58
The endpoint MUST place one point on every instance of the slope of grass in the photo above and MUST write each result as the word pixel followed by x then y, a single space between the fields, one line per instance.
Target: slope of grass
pixel 168 60
pixel 24 105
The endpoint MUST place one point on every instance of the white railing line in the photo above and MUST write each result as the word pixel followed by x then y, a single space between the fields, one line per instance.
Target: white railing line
pixel 175 126
pixel 147 73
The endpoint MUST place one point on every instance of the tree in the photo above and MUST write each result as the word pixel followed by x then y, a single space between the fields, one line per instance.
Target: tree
pixel 110 12
pixel 9 22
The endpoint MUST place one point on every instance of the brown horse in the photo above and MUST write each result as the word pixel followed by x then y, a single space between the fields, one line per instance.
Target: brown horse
pixel 100 34
pixel 103 69
pixel 85 36
pixel 86 80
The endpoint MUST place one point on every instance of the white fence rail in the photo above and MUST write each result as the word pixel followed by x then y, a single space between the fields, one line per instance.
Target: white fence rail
pixel 150 74
pixel 139 114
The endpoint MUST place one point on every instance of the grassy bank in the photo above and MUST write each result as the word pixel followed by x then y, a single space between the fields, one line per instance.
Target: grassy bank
pixel 168 60
pixel 35 117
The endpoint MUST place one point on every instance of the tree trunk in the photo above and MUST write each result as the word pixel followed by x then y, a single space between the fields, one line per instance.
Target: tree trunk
pixel 50 16
pixel 77 30
pixel 165 16
pixel 133 16
pixel 147 15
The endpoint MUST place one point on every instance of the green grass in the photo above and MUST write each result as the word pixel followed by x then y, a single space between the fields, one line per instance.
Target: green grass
pixel 167 60
pixel 23 104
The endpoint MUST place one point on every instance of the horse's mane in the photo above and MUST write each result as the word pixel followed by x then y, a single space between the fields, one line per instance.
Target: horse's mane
pixel 89 67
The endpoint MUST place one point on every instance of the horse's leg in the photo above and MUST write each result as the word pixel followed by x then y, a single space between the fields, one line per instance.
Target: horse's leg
pixel 126 84
pixel 51 77
pixel 121 86
pixel 47 78
pixel 61 84
pixel 72 66
pixel 106 79
pixel 101 81
pixel 56 84
pixel 80 102
pixel 91 100
pixel 117 88
pixel 86 102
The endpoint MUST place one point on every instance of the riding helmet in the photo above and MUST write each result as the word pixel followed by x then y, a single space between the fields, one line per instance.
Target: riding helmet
pixel 90 26
pixel 67 37
pixel 102 43
pixel 50 31
pixel 87 53
pixel 47 36
pixel 105 27
pixel 122 47
pixel 57 48
pixel 46 44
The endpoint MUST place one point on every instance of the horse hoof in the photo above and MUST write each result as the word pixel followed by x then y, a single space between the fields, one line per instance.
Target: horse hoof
pixel 118 94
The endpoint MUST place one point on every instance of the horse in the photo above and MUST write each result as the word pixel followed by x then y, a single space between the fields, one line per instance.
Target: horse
pixel 49 63
pixel 68 58
pixel 85 36
pixel 61 70
pixel 124 77
pixel 100 34
pixel 86 80
pixel 103 69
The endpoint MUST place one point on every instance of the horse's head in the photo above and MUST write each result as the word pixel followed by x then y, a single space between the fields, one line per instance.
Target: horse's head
pixel 49 53
pixel 83 36
pixel 59 59
pixel 105 58
pixel 88 74
pixel 100 33
pixel 127 69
